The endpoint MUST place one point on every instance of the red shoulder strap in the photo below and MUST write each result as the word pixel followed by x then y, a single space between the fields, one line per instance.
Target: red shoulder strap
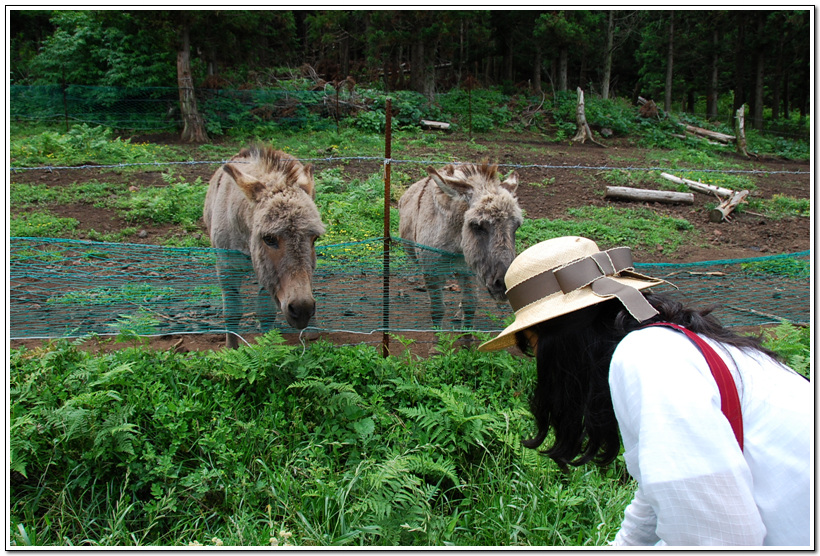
pixel 729 400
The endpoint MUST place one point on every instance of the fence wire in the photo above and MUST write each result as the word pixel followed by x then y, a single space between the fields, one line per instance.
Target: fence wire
pixel 71 288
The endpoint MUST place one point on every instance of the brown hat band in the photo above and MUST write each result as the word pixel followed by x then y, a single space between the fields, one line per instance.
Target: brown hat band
pixel 581 273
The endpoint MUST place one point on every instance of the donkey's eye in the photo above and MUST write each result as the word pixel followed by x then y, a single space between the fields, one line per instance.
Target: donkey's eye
pixel 271 241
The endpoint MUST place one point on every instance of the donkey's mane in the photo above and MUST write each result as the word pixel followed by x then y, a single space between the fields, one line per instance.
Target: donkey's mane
pixel 484 169
pixel 272 161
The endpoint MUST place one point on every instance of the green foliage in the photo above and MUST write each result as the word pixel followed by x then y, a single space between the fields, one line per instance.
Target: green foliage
pixel 97 47
pixel 353 211
pixel 780 206
pixel 41 224
pixel 610 227
pixel 790 267
pixel 330 445
pixel 82 144
pixel 793 344
pixel 177 203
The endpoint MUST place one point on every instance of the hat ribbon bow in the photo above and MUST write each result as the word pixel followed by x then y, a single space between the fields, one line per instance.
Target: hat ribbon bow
pixel 593 270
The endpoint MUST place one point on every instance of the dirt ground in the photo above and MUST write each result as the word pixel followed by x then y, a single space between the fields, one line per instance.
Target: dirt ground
pixel 582 183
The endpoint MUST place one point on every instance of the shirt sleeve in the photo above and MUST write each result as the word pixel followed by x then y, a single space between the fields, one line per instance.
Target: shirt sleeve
pixel 679 446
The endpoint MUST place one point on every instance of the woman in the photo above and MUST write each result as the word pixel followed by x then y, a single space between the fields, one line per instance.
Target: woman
pixel 605 375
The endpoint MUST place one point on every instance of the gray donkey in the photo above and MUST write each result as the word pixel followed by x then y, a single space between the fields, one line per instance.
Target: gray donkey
pixel 463 209
pixel 262 203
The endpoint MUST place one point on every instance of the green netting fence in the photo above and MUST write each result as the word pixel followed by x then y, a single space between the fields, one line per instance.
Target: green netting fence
pixel 71 288
pixel 157 108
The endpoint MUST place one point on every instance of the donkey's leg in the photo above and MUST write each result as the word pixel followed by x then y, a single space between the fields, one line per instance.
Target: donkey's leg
pixel 265 310
pixel 469 299
pixel 434 283
pixel 230 271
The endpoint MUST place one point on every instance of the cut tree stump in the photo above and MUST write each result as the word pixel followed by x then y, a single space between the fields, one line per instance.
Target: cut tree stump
pixel 649 195
pixel 721 212
pixel 582 131
pixel 740 131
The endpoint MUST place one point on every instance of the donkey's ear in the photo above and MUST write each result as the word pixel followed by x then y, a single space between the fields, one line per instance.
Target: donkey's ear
pixel 511 183
pixel 452 188
pixel 250 186
pixel 308 186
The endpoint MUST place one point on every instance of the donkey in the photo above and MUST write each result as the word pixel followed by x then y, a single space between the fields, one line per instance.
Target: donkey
pixel 467 210
pixel 262 203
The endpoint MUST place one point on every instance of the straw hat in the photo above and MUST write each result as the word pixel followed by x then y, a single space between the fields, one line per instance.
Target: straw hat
pixel 565 274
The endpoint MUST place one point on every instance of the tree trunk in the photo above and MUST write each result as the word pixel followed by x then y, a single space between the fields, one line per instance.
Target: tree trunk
pixel 536 71
pixel 193 130
pixel 417 66
pixel 759 74
pixel 610 39
pixel 563 54
pixel 740 61
pixel 712 95
pixel 667 97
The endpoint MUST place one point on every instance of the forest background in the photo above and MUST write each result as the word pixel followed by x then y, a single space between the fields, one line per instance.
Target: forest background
pixel 707 62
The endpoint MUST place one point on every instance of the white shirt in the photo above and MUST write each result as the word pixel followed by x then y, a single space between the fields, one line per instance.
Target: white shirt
pixel 695 486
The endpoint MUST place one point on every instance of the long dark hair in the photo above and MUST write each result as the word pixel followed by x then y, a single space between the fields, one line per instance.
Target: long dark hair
pixel 573 353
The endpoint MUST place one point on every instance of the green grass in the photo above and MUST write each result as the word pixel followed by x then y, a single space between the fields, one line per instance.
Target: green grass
pixel 41 224
pixel 779 207
pixel 611 227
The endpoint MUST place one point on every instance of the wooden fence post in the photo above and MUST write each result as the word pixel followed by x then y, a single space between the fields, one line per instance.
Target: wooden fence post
pixel 388 124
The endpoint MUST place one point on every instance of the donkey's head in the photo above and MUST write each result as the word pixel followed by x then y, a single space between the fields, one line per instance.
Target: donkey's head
pixel 284 227
pixel 491 217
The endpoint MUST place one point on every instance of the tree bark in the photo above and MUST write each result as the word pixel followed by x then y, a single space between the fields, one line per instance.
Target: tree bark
pixel 193 130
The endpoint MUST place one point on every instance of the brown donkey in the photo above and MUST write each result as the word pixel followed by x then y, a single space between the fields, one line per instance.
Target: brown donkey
pixel 463 209
pixel 262 203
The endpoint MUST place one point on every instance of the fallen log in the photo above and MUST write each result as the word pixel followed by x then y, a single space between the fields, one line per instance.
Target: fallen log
pixel 717 136
pixel 721 212
pixel 430 124
pixel 649 195
pixel 698 186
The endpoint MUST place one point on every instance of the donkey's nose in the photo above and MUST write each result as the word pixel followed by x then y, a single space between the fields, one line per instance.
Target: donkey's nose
pixel 300 312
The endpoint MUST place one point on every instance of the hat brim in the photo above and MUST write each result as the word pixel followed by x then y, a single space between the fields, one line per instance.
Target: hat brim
pixel 560 304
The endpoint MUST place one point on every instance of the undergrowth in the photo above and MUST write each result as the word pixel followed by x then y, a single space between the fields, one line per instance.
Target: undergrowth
pixel 272 444
pixel 336 445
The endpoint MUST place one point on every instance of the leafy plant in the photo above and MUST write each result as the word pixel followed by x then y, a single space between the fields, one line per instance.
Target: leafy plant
pixel 793 344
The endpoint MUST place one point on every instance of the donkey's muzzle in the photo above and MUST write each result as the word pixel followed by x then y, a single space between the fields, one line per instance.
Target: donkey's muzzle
pixel 299 313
